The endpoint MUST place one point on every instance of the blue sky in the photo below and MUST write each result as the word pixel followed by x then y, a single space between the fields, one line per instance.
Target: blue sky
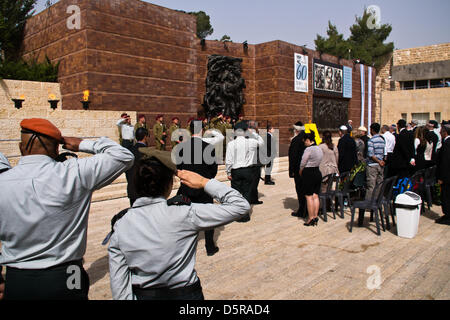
pixel 415 22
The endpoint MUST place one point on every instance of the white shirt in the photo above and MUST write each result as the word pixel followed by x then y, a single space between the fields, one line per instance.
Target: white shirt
pixel 389 138
pixel 437 131
pixel 154 245
pixel 242 152
pixel 44 204
pixel 126 129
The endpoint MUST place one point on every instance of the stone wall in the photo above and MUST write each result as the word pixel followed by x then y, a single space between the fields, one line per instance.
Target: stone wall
pixel 396 103
pixel 78 123
pixel 437 52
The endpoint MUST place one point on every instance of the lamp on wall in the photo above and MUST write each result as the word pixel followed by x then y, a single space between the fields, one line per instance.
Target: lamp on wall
pixel 203 43
pixel 18 102
pixel 53 101
pixel 245 45
pixel 304 50
pixel 85 102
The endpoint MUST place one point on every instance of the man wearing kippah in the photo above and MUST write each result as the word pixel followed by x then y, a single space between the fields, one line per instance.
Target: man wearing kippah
pixel 44 206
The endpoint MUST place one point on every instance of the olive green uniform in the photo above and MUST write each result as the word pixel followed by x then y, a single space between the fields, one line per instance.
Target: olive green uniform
pixel 158 131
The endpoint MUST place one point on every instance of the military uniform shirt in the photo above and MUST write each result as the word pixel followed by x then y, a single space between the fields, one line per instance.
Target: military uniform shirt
pixel 44 204
pixel 154 245
pixel 126 130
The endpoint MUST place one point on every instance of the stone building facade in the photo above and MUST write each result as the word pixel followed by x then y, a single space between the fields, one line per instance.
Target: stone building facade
pixel 133 55
pixel 415 84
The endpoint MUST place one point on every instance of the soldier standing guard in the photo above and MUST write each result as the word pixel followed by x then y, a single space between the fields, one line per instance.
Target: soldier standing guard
pixel 159 131
pixel 174 127
pixel 44 206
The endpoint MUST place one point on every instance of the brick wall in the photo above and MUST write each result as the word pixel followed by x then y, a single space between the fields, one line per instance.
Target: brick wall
pixel 78 123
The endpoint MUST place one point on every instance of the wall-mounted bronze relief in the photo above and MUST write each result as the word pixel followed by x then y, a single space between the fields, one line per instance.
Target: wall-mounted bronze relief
pixel 329 114
pixel 224 87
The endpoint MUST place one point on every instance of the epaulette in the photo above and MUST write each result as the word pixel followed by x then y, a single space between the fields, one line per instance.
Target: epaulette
pixel 179 200
pixel 113 222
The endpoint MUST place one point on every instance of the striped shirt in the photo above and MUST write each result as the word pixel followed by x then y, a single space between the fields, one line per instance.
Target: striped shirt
pixel 376 147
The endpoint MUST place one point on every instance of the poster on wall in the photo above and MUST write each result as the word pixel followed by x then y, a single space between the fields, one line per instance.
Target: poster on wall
pixel 328 78
pixel 348 82
pixel 301 73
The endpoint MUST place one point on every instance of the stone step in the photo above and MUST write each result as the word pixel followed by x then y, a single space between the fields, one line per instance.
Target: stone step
pixel 118 189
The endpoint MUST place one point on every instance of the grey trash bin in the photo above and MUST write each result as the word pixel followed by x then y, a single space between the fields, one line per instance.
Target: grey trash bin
pixel 408 206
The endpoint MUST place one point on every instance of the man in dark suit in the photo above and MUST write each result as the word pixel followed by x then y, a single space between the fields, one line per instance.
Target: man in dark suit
pixel 271 154
pixel 348 157
pixel 402 160
pixel 443 173
pixel 296 150
pixel 193 157
pixel 141 138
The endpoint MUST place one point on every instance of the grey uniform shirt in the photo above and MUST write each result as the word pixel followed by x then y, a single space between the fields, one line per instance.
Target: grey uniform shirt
pixel 44 204
pixel 154 245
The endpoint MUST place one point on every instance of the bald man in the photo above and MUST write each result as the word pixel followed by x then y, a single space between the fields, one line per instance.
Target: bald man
pixel 44 206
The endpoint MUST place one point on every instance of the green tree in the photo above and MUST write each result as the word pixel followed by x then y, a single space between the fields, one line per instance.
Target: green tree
pixel 204 27
pixel 225 38
pixel 365 43
pixel 334 44
pixel 368 43
pixel 13 16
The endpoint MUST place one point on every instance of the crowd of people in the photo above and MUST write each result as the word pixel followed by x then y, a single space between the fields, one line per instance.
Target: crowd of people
pixel 45 199
pixel 398 150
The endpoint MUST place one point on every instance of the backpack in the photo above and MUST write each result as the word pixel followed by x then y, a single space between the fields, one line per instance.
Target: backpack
pixel 402 186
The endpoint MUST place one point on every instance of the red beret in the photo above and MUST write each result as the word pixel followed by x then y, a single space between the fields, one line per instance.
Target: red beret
pixel 175 118
pixel 191 119
pixel 159 116
pixel 43 127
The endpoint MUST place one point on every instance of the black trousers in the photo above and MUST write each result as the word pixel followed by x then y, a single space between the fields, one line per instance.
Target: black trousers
pixel 127 144
pixel 300 194
pixel 68 281
pixel 255 183
pixel 242 180
pixel 193 292
pixel 445 198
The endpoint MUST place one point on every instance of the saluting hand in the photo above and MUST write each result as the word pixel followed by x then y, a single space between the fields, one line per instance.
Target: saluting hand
pixel 72 143
pixel 192 179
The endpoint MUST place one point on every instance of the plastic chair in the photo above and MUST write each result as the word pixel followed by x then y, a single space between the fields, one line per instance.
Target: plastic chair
pixel 327 195
pixel 345 181
pixel 388 201
pixel 374 205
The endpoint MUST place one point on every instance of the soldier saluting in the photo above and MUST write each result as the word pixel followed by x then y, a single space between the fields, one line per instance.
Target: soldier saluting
pixel 44 206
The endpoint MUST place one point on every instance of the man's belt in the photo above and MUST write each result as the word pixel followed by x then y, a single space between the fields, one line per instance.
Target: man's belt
pixel 166 292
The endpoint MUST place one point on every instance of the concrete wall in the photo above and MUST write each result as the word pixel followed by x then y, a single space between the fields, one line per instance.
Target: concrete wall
pixel 78 123
pixel 395 103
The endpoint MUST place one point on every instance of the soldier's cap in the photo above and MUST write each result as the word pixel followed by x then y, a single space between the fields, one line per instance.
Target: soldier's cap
pixel 191 119
pixel 241 125
pixel 159 116
pixel 41 127
pixel 164 157
pixel 175 118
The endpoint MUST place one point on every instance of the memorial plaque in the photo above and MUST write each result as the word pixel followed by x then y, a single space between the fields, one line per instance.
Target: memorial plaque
pixel 329 113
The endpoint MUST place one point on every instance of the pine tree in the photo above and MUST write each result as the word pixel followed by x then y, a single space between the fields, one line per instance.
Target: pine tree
pixel 13 16
pixel 335 44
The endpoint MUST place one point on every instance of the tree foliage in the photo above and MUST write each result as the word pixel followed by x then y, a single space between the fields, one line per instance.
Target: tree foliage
pixel 13 16
pixel 364 44
pixel 29 70
pixel 204 27
pixel 225 38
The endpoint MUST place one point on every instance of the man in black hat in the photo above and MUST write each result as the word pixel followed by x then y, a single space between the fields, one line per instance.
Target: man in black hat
pixel 296 150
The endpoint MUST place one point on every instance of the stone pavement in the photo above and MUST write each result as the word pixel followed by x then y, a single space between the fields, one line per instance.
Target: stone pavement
pixel 275 257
